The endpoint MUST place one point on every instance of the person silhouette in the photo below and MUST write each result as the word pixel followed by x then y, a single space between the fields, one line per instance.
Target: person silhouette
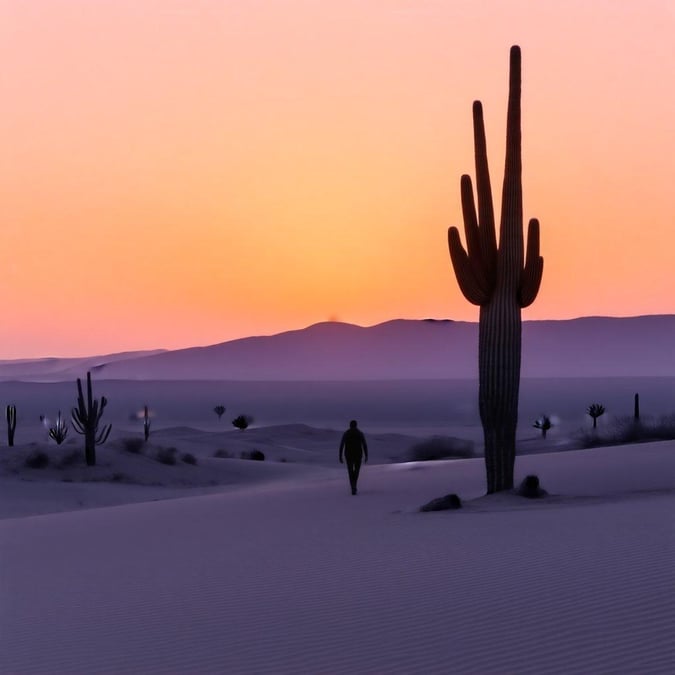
pixel 354 447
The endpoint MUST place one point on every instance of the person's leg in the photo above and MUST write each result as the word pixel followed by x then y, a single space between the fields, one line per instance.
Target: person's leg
pixel 350 470
pixel 354 466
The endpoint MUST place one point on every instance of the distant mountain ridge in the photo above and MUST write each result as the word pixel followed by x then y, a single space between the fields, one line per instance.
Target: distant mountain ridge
pixel 397 349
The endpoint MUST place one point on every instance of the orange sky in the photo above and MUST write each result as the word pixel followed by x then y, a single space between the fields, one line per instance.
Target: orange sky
pixel 182 172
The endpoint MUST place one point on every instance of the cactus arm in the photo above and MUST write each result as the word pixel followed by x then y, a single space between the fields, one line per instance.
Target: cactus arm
pixel 530 278
pixel 486 213
pixel 470 286
pixel 78 422
pixel 511 224
pixel 103 435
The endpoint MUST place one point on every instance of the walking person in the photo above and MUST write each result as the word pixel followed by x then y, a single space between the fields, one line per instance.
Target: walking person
pixel 354 447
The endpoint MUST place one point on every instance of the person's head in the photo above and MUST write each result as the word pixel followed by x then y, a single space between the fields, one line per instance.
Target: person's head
pixel 352 424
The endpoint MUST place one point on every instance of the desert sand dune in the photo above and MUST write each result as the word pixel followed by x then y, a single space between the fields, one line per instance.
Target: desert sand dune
pixel 291 574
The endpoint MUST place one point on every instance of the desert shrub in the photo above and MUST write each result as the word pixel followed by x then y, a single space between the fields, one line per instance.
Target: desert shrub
pixel 188 458
pixel 223 454
pixel 441 447
pixel 256 455
pixel 119 477
pixel 166 456
pixel 37 460
pixel 70 459
pixel 242 421
pixel 133 445
pixel 629 430
pixel 530 488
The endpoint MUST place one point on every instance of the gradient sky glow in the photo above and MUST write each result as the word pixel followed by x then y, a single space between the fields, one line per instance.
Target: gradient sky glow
pixel 183 172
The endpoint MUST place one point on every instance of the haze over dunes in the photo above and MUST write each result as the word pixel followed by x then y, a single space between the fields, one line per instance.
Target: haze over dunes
pixel 400 349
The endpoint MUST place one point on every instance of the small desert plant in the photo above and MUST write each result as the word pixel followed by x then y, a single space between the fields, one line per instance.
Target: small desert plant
pixel 223 454
pixel 59 431
pixel 256 455
pixel 167 456
pixel 219 410
pixel 70 459
pixel 544 423
pixel 595 410
pixel 441 447
pixel 188 458
pixel 10 413
pixel 146 423
pixel 242 421
pixel 530 488
pixel 86 420
pixel 133 445
pixel 37 460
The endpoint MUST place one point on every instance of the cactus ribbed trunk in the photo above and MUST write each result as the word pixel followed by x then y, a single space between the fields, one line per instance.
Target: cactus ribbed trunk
pixel 501 281
pixel 499 340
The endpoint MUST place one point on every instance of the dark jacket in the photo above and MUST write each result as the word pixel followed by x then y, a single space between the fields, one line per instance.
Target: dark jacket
pixel 353 443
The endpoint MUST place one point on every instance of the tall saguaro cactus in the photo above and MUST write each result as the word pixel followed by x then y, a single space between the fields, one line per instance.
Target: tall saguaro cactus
pixel 501 279
pixel 86 419
pixel 10 414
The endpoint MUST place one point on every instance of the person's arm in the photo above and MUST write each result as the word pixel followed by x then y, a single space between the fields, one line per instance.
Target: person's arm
pixel 342 447
pixel 365 447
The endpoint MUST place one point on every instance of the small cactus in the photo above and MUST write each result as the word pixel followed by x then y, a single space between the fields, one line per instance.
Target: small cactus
pixel 219 410
pixel 595 410
pixel 544 423
pixel 86 419
pixel 59 431
pixel 146 423
pixel 10 413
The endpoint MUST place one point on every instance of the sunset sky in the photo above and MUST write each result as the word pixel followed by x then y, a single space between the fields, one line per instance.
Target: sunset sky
pixel 183 172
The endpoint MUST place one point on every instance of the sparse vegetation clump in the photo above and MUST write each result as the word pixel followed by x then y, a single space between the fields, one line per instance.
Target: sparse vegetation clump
pixel 69 459
pixel 627 430
pixel 441 447
pixel 223 454
pixel 133 445
pixel 219 410
pixel 188 458
pixel 166 456
pixel 256 455
pixel 242 422
pixel 37 460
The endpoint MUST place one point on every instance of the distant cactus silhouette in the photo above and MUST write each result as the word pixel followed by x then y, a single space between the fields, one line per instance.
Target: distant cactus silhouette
pixel 544 423
pixel 636 408
pixel 86 419
pixel 146 423
pixel 59 431
pixel 10 413
pixel 219 410
pixel 242 421
pixel 501 280
pixel 595 410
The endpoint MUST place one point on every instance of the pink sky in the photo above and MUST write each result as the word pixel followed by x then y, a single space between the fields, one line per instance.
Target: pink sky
pixel 184 172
